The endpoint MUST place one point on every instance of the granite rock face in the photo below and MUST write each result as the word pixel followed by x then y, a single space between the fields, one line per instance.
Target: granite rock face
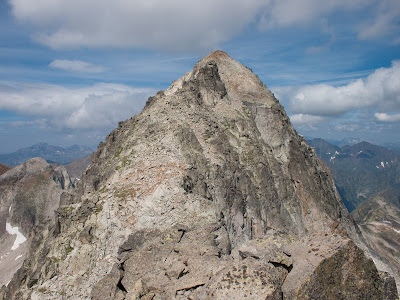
pixel 348 275
pixel 209 193
pixel 29 196
pixel 378 218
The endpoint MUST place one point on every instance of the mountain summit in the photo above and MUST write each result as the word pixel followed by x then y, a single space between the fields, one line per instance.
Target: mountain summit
pixel 208 193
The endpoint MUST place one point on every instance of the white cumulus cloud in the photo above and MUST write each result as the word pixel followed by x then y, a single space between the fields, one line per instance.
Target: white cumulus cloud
pixel 167 25
pixel 76 66
pixel 384 117
pixel 384 22
pixel 303 119
pixel 186 25
pixel 381 89
pixel 102 105
pixel 283 13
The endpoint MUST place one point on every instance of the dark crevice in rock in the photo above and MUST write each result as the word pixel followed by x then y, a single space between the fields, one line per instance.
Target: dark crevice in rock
pixel 281 265
pixel 183 273
pixel 121 266
pixel 188 184
pixel 121 287
pixel 182 231
pixel 191 288
pixel 60 180
pixel 287 253
pixel 96 184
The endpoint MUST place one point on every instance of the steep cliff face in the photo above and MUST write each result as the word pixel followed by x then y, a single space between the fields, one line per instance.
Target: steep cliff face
pixel 378 218
pixel 208 193
pixel 29 195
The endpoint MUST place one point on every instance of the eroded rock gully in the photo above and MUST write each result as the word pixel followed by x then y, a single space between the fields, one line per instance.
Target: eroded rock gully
pixel 209 193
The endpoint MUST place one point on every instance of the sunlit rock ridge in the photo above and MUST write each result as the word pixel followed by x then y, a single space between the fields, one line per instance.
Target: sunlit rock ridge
pixel 208 193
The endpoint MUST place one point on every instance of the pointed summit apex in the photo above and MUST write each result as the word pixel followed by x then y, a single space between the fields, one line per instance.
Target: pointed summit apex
pixel 240 82
pixel 217 55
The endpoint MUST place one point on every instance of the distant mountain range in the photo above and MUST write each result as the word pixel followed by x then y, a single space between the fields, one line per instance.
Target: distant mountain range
pixel 52 154
pixel 351 141
pixel 360 170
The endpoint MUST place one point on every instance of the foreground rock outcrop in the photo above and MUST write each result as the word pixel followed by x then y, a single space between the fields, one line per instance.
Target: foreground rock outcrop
pixel 209 193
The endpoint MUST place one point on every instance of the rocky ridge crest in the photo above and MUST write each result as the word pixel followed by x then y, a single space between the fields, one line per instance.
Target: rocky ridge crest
pixel 208 193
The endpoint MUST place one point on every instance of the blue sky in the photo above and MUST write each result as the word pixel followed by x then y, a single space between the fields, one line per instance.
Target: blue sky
pixel 70 70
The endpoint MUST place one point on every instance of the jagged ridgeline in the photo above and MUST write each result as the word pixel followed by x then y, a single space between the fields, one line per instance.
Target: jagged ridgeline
pixel 208 193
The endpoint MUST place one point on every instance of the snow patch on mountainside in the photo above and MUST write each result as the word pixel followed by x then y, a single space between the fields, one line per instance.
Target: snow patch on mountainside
pixel 18 257
pixel 20 237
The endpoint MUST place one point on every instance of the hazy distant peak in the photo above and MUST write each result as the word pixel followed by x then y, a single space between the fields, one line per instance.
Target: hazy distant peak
pixel 46 151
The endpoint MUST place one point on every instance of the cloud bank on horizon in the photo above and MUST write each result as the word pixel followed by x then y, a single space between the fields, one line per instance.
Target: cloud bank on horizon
pixel 181 25
pixel 89 64
pixel 162 25
pixel 99 106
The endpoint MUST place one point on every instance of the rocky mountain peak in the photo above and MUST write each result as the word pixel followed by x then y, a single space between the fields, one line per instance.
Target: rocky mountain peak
pixel 207 189
pixel 29 195
pixel 217 55
pixel 31 166
pixel 240 82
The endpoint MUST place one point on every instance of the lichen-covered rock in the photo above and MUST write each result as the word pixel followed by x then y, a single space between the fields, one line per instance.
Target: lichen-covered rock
pixel 203 195
pixel 187 264
pixel 348 274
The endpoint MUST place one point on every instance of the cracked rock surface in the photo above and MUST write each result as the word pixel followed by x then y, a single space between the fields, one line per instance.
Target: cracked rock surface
pixel 208 193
